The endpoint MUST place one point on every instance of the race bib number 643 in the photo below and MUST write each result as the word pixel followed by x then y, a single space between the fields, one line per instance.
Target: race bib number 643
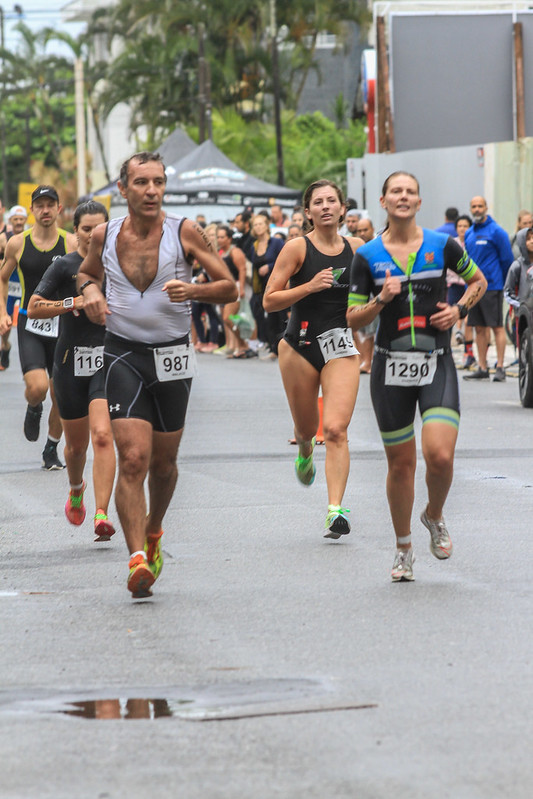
pixel 175 363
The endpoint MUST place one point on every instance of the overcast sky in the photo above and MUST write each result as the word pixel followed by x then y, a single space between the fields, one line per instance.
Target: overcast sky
pixel 37 14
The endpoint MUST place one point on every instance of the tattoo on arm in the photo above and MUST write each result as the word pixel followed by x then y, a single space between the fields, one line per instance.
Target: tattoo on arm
pixel 207 241
pixel 470 301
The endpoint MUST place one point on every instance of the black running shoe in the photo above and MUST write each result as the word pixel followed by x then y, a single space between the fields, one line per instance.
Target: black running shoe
pixel 32 421
pixel 50 460
pixel 4 359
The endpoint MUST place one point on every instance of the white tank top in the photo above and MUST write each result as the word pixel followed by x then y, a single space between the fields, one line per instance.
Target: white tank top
pixel 147 316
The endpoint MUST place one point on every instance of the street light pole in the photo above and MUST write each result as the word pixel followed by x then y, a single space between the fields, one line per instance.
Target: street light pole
pixel 2 115
pixel 275 90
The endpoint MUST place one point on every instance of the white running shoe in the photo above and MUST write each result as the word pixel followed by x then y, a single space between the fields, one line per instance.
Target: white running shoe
pixel 402 568
pixel 440 544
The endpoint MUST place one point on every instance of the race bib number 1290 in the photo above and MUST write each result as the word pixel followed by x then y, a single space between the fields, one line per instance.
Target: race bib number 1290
pixel 175 363
pixel 410 369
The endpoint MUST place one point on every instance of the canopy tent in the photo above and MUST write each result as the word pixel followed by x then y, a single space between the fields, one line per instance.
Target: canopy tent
pixel 206 177
pixel 173 149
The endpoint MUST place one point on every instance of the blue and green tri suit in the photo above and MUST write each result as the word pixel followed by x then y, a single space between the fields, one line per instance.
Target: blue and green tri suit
pixel 404 327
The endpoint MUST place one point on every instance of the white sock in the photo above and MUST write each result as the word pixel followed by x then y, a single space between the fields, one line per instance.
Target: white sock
pixel 404 541
pixel 139 552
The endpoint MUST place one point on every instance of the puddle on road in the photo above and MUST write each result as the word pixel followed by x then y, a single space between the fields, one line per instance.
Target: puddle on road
pixel 235 700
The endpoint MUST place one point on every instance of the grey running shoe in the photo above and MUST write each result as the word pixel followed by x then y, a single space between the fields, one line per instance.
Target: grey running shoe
pixel 32 421
pixel 50 460
pixel 440 544
pixel 499 375
pixel 469 362
pixel 402 568
pixel 479 374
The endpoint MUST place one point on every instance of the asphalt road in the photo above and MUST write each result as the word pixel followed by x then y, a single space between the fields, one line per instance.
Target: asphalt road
pixel 270 662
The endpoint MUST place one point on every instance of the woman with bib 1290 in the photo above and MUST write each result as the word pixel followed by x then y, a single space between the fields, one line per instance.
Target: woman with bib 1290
pixel 405 271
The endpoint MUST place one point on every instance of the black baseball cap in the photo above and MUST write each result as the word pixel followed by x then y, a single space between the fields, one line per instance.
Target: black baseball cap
pixel 45 191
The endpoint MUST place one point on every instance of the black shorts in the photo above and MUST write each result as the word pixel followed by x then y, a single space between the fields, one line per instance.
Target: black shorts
pixel 133 390
pixel 35 352
pixel 488 312
pixel 395 406
pixel 74 394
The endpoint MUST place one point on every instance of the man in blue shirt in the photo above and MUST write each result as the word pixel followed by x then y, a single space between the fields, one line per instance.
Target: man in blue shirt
pixel 489 247
pixel 450 216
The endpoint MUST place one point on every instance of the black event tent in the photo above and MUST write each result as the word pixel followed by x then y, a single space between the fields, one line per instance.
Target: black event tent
pixel 174 147
pixel 205 176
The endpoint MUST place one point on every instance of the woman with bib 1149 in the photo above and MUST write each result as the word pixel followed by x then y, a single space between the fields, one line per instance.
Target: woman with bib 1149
pixel 317 350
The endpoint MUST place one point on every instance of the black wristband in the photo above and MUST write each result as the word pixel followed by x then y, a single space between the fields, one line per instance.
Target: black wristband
pixel 463 310
pixel 84 285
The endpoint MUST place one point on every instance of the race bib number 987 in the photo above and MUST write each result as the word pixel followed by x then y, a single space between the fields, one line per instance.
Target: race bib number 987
pixel 175 363
pixel 337 343
pixel 410 369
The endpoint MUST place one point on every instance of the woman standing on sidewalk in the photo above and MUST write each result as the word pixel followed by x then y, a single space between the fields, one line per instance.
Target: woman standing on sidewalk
pixel 79 375
pixel 317 350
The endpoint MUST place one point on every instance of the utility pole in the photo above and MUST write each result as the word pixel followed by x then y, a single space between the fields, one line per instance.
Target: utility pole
pixel 276 91
pixel 2 115
pixel 201 83
pixel 81 162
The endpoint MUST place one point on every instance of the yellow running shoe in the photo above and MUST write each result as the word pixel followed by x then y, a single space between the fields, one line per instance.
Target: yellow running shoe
pixel 152 547
pixel 140 578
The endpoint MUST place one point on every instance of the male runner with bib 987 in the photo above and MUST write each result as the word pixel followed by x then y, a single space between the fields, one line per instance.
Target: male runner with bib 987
pixel 146 258
pixel 405 271
pixel 32 252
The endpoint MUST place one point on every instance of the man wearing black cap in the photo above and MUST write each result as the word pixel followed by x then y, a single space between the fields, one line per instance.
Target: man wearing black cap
pixel 32 252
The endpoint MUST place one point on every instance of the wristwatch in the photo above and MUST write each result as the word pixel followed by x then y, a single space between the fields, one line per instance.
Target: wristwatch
pixel 463 310
pixel 84 285
pixel 379 299
pixel 68 302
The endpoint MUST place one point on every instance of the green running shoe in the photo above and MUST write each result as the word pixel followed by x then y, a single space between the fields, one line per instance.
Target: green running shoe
pixel 305 468
pixel 152 547
pixel 336 522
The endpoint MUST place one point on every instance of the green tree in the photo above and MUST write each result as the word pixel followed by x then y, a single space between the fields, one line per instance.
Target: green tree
pixel 37 104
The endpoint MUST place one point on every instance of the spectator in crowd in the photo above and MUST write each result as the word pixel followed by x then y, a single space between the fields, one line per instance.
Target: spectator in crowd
pixel 235 260
pixel 519 281
pixel 365 230
pixel 351 221
pixel 523 222
pixel 489 247
pixel 298 217
pixel 200 218
pixel 243 237
pixel 294 231
pixel 278 217
pixel 450 218
pixel 364 337
pixel 266 250
pixel 456 288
